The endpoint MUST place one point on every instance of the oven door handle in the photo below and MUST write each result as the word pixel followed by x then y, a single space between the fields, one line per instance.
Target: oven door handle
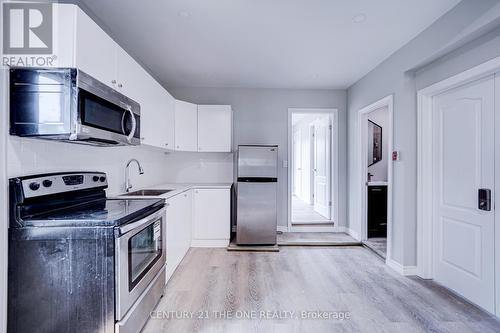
pixel 143 222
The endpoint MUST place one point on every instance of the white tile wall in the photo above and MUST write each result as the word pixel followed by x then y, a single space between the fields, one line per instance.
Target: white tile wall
pixel 31 156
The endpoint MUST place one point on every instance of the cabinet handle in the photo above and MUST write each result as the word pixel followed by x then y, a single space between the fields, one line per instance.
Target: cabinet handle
pixel 113 81
pixel 178 147
pixel 120 85
pixel 143 138
pixel 166 144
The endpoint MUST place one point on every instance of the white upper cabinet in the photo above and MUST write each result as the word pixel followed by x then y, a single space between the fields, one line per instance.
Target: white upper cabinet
pixel 64 35
pixel 95 51
pixel 169 120
pixel 131 79
pixel 81 43
pixel 186 126
pixel 214 128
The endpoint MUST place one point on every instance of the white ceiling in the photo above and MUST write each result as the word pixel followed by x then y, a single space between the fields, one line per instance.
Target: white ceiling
pixel 263 43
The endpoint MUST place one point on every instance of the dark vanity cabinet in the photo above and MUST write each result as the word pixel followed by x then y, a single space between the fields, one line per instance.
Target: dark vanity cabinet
pixel 377 211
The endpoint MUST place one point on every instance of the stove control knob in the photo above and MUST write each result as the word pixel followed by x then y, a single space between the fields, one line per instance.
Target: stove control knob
pixel 47 183
pixel 102 179
pixel 34 186
pixel 95 178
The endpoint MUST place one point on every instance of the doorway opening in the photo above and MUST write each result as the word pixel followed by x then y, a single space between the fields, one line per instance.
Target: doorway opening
pixel 312 169
pixel 375 138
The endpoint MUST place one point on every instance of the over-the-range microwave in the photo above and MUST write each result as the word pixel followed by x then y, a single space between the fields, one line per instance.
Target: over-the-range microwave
pixel 69 105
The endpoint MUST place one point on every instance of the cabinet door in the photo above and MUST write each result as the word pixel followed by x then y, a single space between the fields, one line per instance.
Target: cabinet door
pixel 186 123
pixel 169 120
pixel 211 209
pixel 174 241
pixel 131 78
pixel 95 51
pixel 214 128
pixel 187 220
pixel 64 34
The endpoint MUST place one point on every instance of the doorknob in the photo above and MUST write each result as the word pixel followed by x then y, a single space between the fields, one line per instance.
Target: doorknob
pixel 484 199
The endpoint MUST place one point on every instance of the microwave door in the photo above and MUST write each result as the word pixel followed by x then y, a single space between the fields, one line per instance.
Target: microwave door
pixel 106 121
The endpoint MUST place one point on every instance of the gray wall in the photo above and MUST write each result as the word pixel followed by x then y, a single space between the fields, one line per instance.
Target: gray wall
pixel 397 75
pixel 261 116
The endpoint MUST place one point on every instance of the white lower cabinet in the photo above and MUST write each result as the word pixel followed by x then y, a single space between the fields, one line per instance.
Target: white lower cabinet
pixel 179 222
pixel 211 217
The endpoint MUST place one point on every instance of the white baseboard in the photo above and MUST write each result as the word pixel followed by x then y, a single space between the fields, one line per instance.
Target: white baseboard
pixel 403 270
pixel 282 228
pixel 210 243
pixel 353 234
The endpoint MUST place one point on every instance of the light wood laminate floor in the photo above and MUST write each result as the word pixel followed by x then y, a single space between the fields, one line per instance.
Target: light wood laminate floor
pixel 333 280
pixel 377 244
pixel 304 213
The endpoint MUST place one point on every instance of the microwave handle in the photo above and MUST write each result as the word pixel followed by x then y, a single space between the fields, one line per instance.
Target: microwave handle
pixel 134 126
pixel 130 136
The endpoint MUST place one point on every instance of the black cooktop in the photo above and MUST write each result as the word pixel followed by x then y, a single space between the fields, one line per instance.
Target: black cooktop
pixel 103 212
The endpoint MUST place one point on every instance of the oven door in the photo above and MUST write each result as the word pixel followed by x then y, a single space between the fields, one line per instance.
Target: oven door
pixel 140 255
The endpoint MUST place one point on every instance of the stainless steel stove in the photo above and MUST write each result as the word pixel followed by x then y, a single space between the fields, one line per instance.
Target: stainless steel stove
pixel 79 262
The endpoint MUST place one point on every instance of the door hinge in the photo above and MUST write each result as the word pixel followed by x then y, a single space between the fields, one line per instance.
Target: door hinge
pixel 330 127
pixel 329 203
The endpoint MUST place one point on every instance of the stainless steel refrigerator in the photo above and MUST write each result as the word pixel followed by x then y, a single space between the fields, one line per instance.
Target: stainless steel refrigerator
pixel 256 210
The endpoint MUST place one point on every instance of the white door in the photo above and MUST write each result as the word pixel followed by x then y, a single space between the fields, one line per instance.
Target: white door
pixel 214 128
pixel 297 163
pixel 463 235
pixel 186 126
pixel 322 167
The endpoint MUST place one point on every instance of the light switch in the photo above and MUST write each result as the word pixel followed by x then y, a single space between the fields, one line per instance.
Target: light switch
pixel 396 155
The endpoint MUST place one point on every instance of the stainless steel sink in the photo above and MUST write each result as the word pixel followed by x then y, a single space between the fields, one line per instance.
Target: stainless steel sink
pixel 147 193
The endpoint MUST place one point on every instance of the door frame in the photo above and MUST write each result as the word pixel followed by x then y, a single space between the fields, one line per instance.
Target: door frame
pixel 334 167
pixel 387 102
pixel 425 164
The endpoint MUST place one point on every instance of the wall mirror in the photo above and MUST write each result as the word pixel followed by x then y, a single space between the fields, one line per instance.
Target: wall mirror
pixel 374 143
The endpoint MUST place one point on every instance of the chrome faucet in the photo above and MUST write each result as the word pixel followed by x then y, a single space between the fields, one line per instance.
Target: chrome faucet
pixel 128 185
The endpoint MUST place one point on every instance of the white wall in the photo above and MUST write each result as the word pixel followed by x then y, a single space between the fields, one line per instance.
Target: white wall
pixel 396 75
pixel 30 156
pixel 379 170
pixel 261 116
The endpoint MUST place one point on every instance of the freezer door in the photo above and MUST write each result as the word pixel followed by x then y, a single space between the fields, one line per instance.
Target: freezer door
pixel 256 213
pixel 257 161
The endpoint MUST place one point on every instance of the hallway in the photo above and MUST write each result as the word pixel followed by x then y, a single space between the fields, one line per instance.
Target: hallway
pixel 303 212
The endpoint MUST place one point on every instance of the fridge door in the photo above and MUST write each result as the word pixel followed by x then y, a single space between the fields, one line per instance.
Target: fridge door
pixel 257 161
pixel 256 213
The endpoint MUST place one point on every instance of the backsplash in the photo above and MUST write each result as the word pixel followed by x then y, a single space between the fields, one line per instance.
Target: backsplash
pixel 32 156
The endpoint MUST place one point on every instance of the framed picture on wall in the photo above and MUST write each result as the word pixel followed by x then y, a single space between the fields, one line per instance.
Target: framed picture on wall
pixel 375 143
